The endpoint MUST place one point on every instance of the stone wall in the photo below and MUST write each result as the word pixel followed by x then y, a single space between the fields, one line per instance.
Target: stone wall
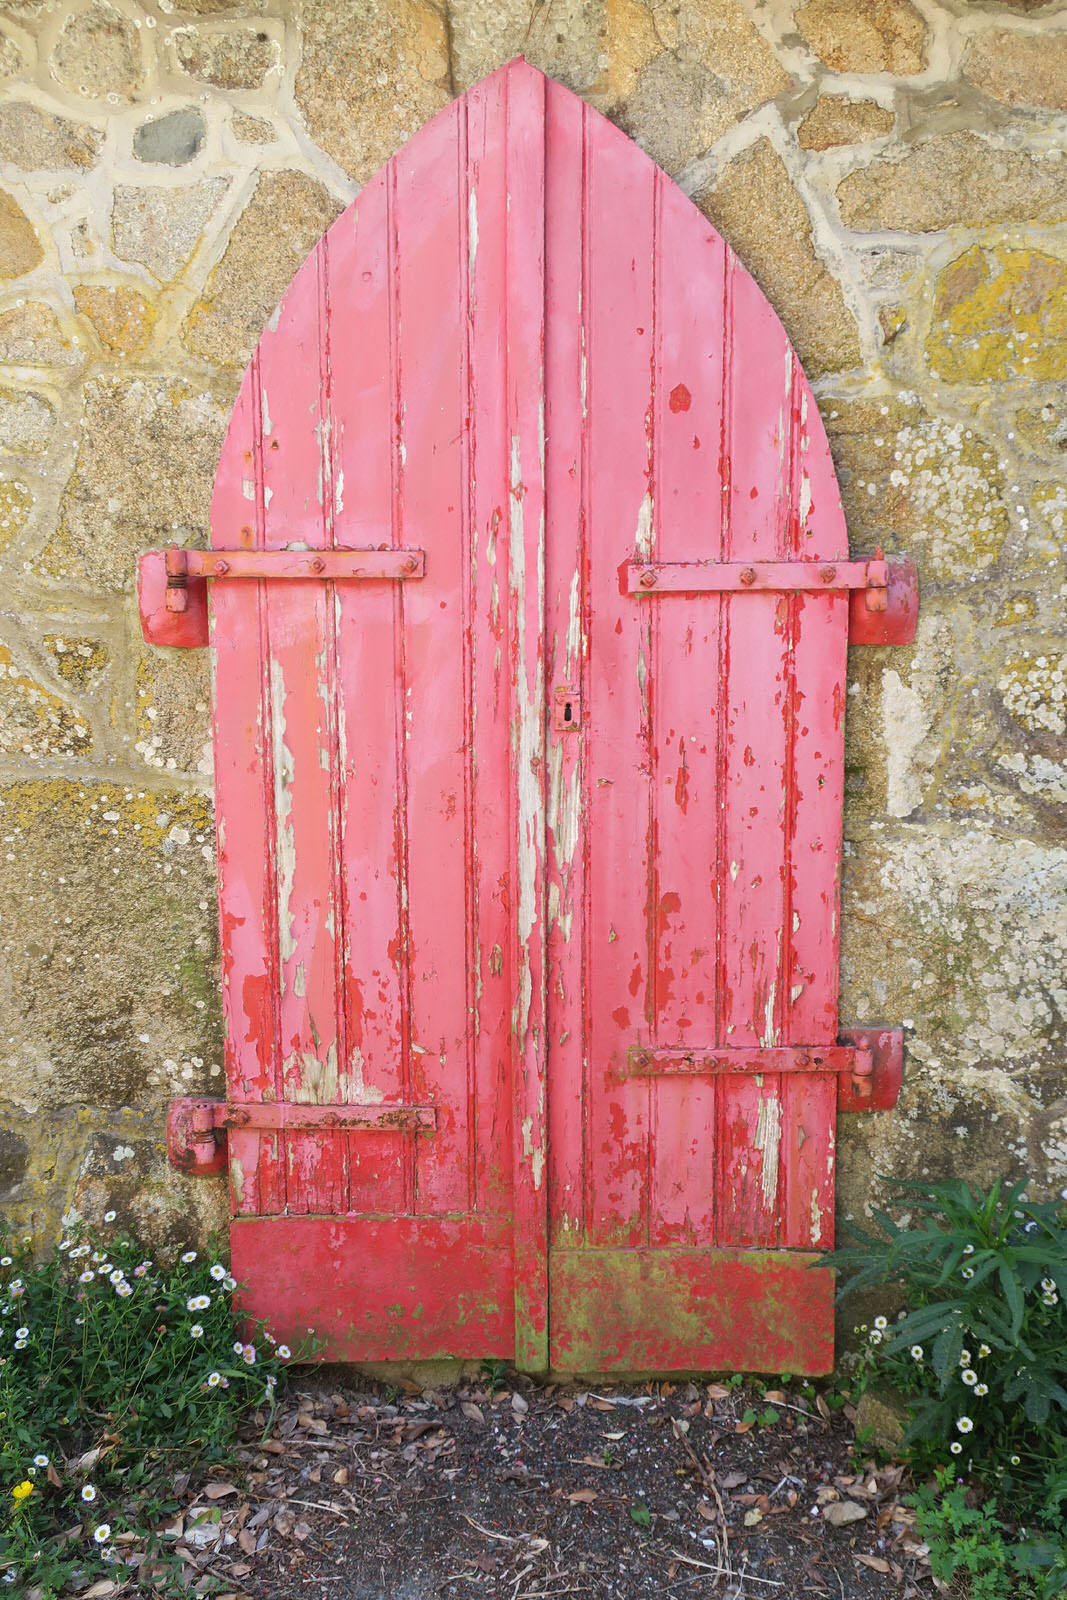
pixel 893 173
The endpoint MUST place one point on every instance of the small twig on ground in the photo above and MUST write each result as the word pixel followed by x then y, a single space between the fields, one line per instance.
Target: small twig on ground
pixel 488 1532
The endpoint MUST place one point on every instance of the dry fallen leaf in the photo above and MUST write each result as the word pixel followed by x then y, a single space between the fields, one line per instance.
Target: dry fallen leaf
pixel 582 1497
pixel 519 1405
pixel 822 1408
pixel 217 1491
pixel 753 1516
pixel 842 1511
pixel 475 1413
pixel 731 1480
pixel 718 1391
pixel 341 1475
pixel 874 1562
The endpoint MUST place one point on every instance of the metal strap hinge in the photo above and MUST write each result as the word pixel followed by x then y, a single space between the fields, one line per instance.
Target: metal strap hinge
pixel 754 577
pixel 197 1127
pixel 868 1064
pixel 188 566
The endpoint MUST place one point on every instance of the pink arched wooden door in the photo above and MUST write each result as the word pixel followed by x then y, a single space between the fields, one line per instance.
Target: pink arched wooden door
pixel 528 727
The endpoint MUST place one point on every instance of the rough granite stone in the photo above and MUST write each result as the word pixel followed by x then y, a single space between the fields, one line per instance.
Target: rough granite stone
pixel 755 207
pixel 145 466
pixel 284 218
pixel 26 422
pixel 1020 69
pixel 865 35
pixel 251 130
pixel 835 120
pixel 173 711
pixel 30 138
pixel 160 228
pixel 30 336
pixel 717 70
pixel 371 73
pixel 121 318
pixel 20 248
pixel 926 486
pixel 171 140
pixel 955 178
pixel 98 53
pixel 234 58
pixel 10 57
pixel 108 880
pixel 1000 315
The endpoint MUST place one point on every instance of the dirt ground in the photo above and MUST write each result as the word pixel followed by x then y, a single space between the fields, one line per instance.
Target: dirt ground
pixel 501 1487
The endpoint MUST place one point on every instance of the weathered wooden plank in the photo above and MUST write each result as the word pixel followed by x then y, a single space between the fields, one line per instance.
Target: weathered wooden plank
pixel 483 265
pixel 567 647
pixel 524 316
pixel 621 220
pixel 244 788
pixel 364 618
pixel 687 492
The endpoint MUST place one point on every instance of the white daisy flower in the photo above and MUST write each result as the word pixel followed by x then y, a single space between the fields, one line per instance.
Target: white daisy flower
pixel 88 1493
pixel 196 1331
pixel 123 1290
pixel 22 1333
pixel 218 1273
pixel 1048 1285
pixel 214 1379
pixel 969 1376
pixel 984 1350
pixel 109 1216
pixel 190 1255
pixel 40 1461
pixel 238 1348
pixel 875 1336
pixel 968 1249
pixel 87 1276
pixel 965 1425
pixel 881 1322
pixel 1014 1460
pixel 102 1533
pixel 20 1344
pixel 956 1447
pixel 229 1283
pixel 99 1255
pixel 198 1302
pixel 916 1352
pixel 965 1358
pixel 283 1352
pixel 248 1355
pixel 139 1272
pixel 116 1276
pixel 981 1388
pixel 968 1272
pixel 5 1261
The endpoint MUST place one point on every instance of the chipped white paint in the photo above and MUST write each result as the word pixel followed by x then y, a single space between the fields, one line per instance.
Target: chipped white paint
pixel 905 724
pixel 767 1139
pixel 284 774
pixel 472 231
pixel 643 531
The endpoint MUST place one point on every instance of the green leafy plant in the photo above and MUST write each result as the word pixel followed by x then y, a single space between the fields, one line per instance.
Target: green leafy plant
pixel 115 1369
pixel 966 1543
pixel 979 1352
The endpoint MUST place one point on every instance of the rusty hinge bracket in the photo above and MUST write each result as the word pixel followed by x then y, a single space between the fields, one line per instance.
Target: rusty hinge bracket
pixel 172 584
pixel 197 1127
pixel 883 595
pixel 868 1064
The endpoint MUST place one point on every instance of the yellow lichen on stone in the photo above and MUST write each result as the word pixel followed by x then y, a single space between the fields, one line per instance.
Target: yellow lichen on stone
pixel 1015 609
pixel 121 318
pixel 834 119
pixel 20 248
pixel 16 503
pixel 1033 686
pixel 78 660
pixel 1000 314
pixel 34 720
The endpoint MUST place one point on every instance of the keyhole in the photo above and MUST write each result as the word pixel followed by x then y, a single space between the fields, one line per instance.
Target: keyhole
pixel 568 713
